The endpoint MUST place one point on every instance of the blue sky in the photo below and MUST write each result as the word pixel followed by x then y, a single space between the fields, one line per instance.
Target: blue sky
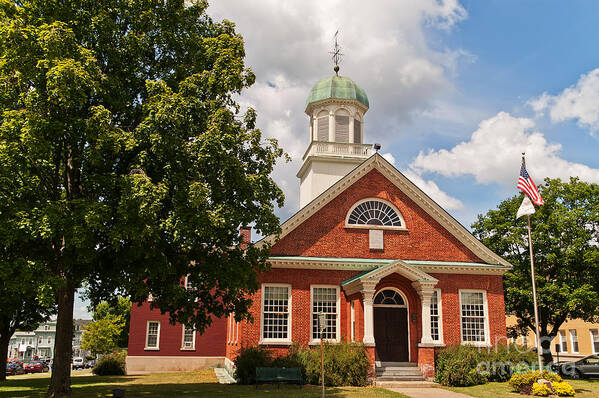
pixel 457 89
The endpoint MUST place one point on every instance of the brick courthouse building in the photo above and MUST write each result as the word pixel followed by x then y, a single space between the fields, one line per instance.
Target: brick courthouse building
pixel 388 266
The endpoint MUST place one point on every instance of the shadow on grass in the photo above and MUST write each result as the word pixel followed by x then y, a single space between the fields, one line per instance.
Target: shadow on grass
pixel 136 386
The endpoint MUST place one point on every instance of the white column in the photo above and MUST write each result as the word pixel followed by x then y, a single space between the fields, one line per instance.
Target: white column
pixel 351 129
pixel 331 126
pixel 368 298
pixel 314 136
pixel 425 294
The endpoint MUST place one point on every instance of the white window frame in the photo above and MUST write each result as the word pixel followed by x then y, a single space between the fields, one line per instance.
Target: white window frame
pixel 403 226
pixel 563 340
pixel 283 341
pixel 485 343
pixel 147 348
pixel 572 340
pixel 338 318
pixel 593 350
pixel 440 310
pixel 193 341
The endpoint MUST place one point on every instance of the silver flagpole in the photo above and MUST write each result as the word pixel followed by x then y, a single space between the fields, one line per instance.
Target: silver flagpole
pixel 534 288
pixel 534 296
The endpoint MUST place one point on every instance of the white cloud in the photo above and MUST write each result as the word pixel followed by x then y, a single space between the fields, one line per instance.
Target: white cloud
pixel 493 153
pixel 390 158
pixel 432 189
pixel 579 102
pixel 385 52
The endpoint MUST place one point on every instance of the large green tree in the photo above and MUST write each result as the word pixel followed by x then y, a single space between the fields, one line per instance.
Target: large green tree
pixel 565 233
pixel 119 308
pixel 24 303
pixel 127 160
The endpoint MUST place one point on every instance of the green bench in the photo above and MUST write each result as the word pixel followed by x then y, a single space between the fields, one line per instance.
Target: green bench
pixel 279 375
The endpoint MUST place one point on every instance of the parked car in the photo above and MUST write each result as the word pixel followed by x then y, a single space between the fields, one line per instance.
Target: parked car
pixel 14 369
pixel 78 363
pixel 36 367
pixel 90 364
pixel 583 368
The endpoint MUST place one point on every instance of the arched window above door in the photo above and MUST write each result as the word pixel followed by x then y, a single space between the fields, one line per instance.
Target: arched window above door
pixel 389 297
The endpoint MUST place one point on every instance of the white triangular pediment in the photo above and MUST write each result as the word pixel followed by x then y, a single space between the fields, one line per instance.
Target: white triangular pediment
pixel 379 163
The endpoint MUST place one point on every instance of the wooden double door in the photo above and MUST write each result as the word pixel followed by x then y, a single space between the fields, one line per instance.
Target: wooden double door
pixel 391 334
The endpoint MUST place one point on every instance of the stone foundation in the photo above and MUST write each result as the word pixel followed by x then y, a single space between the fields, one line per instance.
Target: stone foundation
pixel 158 364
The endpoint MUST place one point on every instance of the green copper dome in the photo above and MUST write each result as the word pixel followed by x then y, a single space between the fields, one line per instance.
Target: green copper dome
pixel 337 87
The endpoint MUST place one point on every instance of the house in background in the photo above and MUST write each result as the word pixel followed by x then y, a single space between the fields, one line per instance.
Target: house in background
pixel 384 263
pixel 40 342
pixel 576 339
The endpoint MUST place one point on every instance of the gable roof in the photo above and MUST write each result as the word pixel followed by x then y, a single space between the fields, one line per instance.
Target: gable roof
pixel 377 162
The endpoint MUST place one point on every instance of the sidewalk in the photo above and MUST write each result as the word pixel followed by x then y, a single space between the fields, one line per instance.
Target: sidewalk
pixel 428 393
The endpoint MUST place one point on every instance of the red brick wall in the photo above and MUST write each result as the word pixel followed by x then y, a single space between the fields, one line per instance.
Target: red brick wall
pixel 450 285
pixel 324 233
pixel 210 343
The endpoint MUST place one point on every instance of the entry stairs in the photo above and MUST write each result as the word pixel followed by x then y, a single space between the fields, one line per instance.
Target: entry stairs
pixel 400 374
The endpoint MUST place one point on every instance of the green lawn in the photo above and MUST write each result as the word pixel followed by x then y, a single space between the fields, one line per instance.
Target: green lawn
pixel 194 384
pixel 584 389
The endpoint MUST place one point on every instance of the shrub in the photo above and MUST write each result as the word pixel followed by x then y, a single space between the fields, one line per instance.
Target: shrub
pixel 563 389
pixel 248 360
pixel 463 365
pixel 111 364
pixel 524 382
pixel 345 364
pixel 540 390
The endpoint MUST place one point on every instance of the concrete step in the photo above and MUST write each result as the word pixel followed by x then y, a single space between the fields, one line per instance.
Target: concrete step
pixel 399 372
pixel 406 384
pixel 400 378
pixel 394 364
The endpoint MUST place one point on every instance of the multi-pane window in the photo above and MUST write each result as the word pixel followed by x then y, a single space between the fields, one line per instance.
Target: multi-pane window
pixel 524 340
pixel 473 317
pixel 574 340
pixel 435 317
pixel 152 334
pixel 324 301
pixel 275 317
pixel 562 340
pixel 595 340
pixel 374 212
pixel 188 340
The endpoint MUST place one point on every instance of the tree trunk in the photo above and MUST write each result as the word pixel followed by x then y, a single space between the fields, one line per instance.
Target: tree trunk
pixel 60 383
pixel 546 349
pixel 4 341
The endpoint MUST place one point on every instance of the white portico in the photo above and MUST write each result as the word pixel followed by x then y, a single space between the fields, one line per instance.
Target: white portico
pixel 366 284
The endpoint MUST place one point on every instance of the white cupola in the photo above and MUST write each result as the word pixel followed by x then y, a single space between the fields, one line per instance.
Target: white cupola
pixel 336 107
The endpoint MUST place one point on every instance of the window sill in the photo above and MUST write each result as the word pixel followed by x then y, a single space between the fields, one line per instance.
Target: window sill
pixel 275 342
pixel 477 343
pixel 434 344
pixel 317 341
pixel 151 348
pixel 188 348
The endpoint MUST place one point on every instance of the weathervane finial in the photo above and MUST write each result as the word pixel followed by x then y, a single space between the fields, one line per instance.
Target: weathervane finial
pixel 336 53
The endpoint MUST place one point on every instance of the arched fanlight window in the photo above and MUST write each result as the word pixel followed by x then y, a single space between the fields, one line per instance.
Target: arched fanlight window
pixel 374 212
pixel 389 297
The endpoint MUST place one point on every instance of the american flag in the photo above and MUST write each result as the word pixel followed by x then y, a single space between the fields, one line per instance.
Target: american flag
pixel 526 184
